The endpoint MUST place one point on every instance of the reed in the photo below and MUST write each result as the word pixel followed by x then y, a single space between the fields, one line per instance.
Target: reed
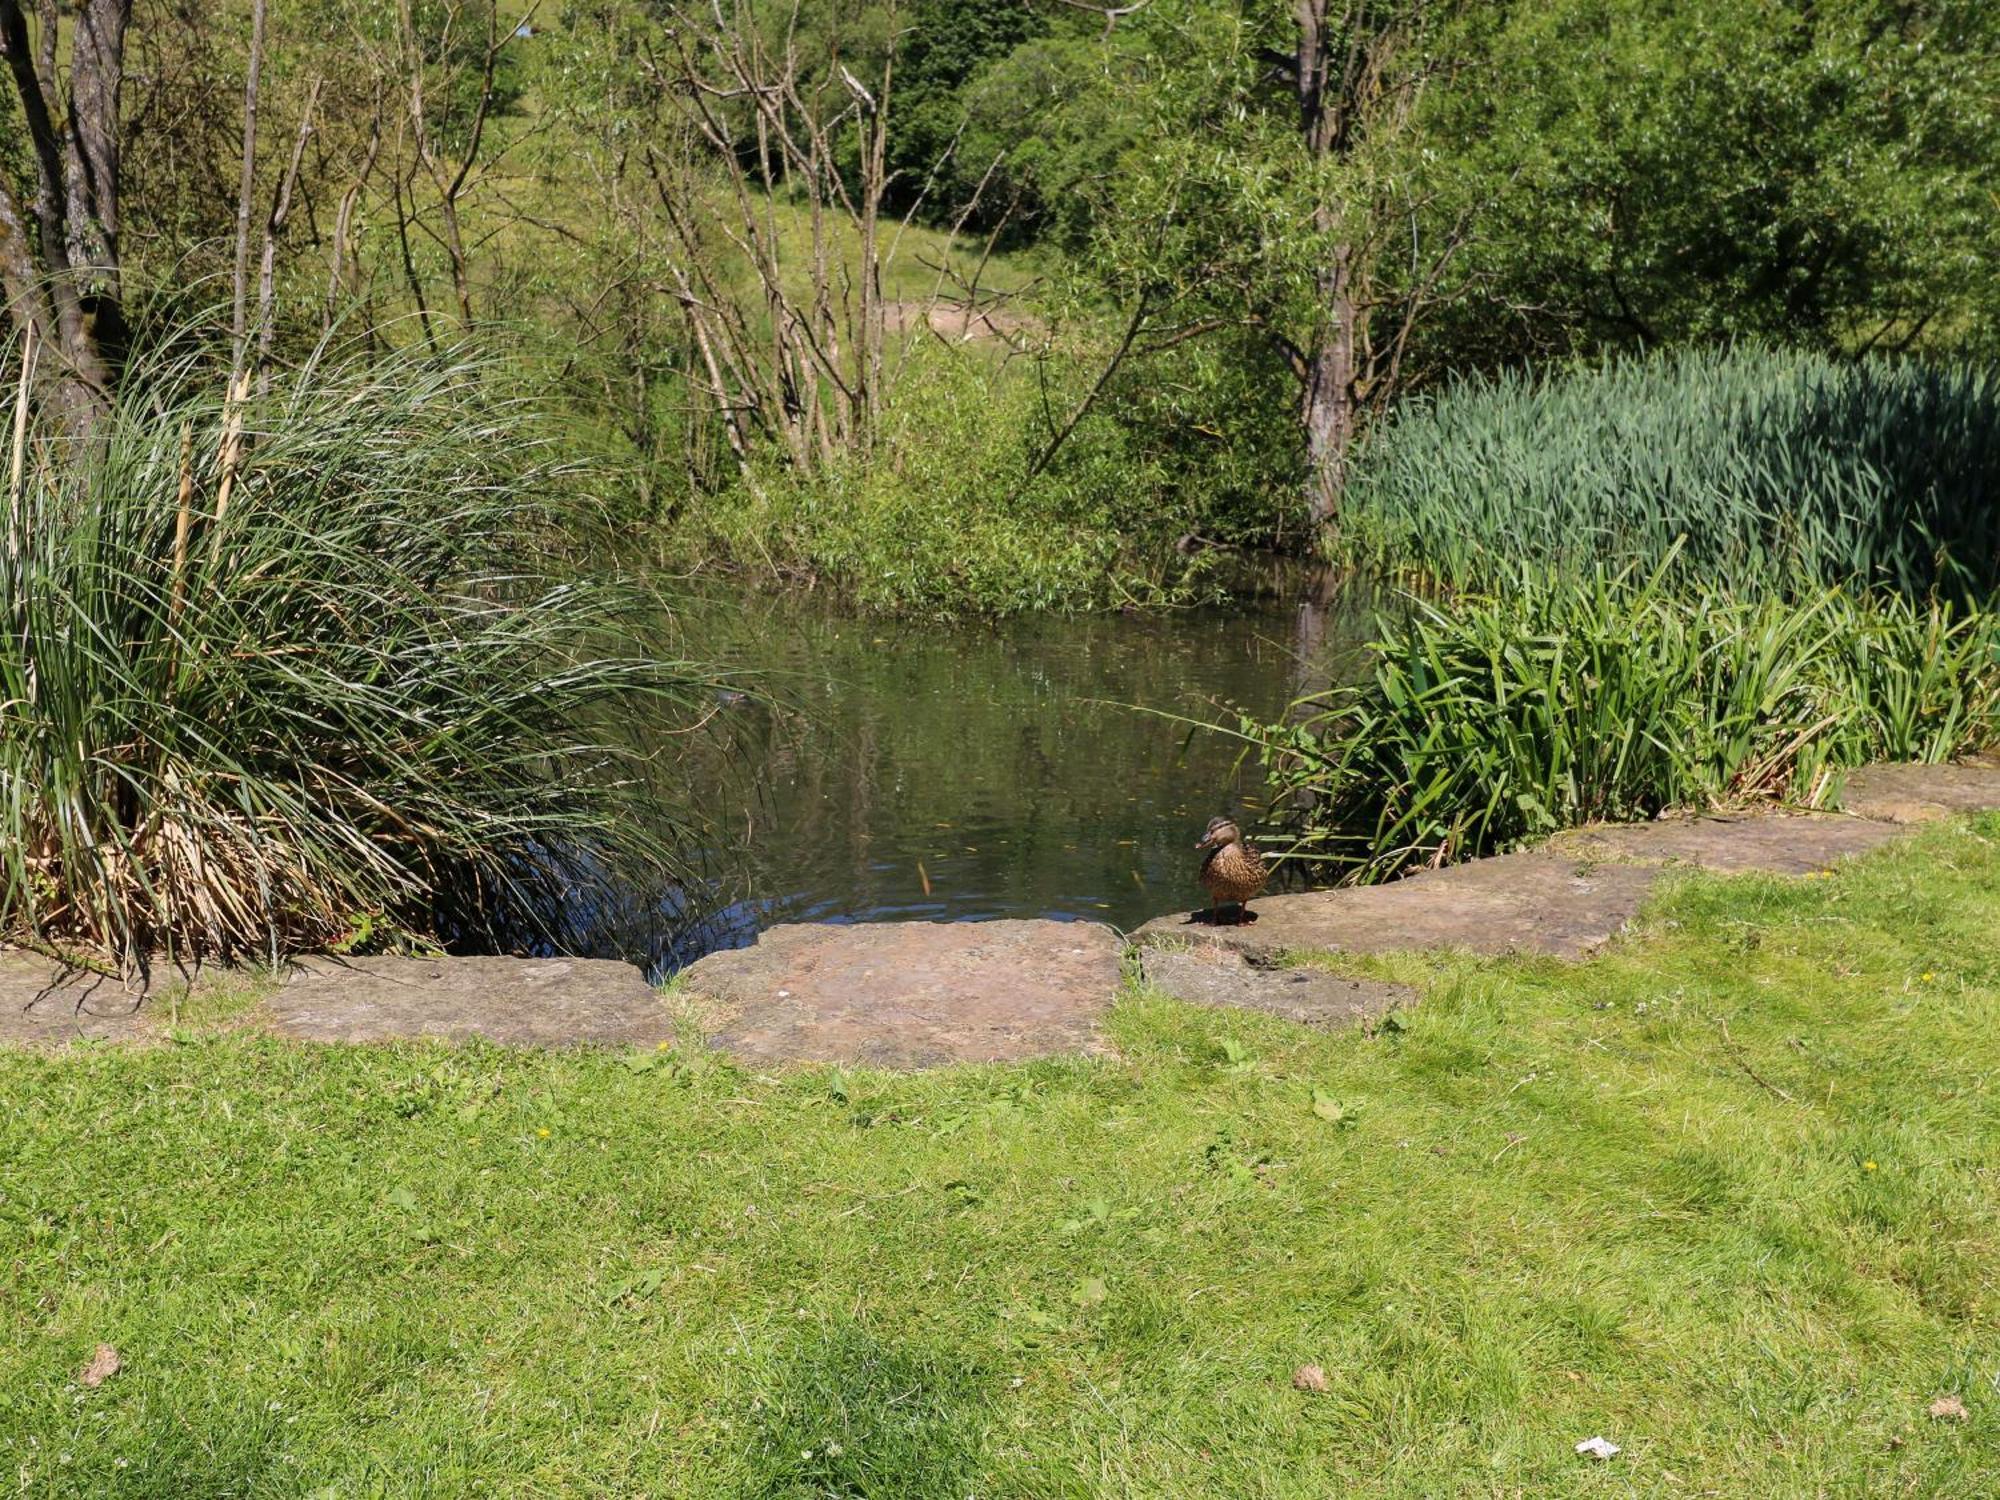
pixel 1757 468
pixel 272 668
pixel 1493 720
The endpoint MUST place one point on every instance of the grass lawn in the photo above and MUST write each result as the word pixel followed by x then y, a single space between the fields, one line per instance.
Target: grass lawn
pixel 1729 1197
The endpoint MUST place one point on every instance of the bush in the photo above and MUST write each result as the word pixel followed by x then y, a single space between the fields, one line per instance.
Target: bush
pixel 941 517
pixel 258 692
pixel 1754 467
pixel 1567 700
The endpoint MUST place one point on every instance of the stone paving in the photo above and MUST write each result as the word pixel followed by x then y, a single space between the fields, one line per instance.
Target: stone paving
pixel 1209 974
pixel 913 994
pixel 525 1002
pixel 925 994
pixel 44 1006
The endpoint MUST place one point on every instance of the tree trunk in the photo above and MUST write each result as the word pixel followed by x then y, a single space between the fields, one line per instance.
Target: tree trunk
pixel 1328 408
pixel 97 72
pixel 59 258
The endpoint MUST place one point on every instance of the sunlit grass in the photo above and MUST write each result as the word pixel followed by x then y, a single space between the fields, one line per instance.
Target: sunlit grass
pixel 1724 1196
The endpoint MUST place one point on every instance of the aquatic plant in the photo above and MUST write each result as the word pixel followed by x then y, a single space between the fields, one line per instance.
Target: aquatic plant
pixel 1490 720
pixel 1756 467
pixel 274 667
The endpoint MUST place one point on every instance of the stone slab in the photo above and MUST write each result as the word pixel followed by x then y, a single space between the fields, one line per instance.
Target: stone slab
pixel 1537 902
pixel 1919 794
pixel 1211 975
pixel 1775 843
pixel 912 994
pixel 521 1002
pixel 41 1005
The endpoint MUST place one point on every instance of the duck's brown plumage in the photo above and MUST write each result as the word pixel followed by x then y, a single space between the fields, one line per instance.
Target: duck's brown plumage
pixel 1233 871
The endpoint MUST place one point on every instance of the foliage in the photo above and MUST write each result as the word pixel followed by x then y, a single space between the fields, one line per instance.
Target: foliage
pixel 1753 467
pixel 1723 1195
pixel 1611 173
pixel 944 44
pixel 942 518
pixel 1818 174
pixel 271 671
pixel 1567 699
pixel 1529 183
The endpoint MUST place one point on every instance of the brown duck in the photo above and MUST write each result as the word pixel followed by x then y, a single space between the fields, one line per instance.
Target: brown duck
pixel 1232 872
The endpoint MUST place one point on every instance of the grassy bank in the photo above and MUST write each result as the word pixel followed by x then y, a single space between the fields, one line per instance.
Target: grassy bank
pixel 953 510
pixel 1723 1196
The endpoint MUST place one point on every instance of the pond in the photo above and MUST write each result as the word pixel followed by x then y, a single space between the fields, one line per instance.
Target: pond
pixel 900 771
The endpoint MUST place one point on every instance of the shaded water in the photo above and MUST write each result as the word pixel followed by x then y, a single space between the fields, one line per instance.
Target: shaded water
pixel 911 771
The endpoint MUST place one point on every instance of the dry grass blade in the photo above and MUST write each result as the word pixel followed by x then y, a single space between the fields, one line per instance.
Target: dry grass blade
pixel 375 692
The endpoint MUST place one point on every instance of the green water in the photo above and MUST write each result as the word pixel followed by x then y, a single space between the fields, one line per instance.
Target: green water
pixel 919 772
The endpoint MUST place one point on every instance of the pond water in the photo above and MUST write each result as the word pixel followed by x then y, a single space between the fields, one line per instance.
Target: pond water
pixel 910 771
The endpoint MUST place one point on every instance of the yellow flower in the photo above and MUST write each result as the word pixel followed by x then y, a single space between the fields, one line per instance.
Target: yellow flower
pixel 666 1047
pixel 1928 976
pixel 1868 1166
pixel 543 1132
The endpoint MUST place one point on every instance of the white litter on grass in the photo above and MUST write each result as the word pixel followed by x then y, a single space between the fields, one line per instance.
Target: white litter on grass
pixel 1598 1448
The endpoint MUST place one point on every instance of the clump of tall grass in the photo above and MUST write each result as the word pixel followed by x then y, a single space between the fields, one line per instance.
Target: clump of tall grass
pixel 1754 467
pixel 1494 720
pixel 274 667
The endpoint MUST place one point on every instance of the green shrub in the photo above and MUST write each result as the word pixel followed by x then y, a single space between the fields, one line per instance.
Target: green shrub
pixel 1565 700
pixel 258 692
pixel 1755 467
pixel 942 518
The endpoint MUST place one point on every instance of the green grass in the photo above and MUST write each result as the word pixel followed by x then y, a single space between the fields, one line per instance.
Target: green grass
pixel 1725 1196
pixel 1760 469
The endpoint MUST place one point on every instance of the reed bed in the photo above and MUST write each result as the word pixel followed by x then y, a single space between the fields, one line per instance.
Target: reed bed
pixel 274 668
pixel 1488 721
pixel 1759 469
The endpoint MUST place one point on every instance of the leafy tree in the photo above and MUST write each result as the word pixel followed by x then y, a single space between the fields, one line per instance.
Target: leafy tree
pixel 1818 173
pixel 947 43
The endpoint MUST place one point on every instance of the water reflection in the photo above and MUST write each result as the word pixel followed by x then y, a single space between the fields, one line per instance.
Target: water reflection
pixel 906 771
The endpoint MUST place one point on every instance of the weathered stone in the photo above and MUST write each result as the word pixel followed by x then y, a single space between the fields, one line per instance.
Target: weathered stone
pixel 1775 843
pixel 42 1005
pixel 522 1002
pixel 1209 975
pixel 913 994
pixel 920 994
pixel 1906 793
pixel 1527 903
